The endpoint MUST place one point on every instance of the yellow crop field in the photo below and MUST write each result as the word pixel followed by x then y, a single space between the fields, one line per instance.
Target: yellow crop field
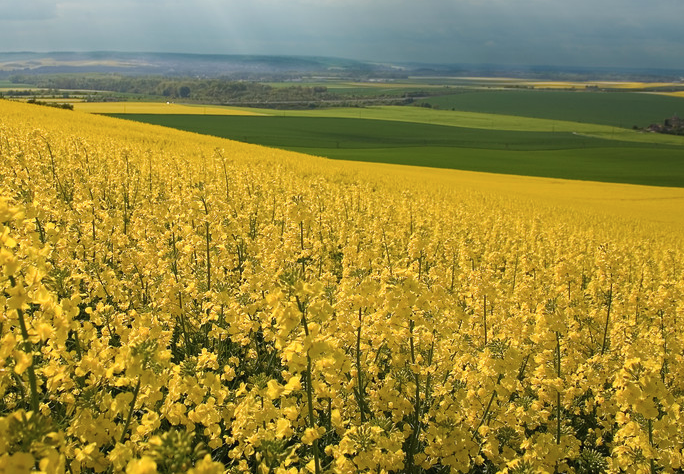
pixel 600 84
pixel 180 303
pixel 157 108
pixel 638 205
pixel 508 81
pixel 673 94
pixel 58 100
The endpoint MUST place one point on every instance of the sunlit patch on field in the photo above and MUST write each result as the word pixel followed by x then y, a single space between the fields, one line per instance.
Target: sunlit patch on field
pixel 158 108
pixel 673 94
pixel 626 85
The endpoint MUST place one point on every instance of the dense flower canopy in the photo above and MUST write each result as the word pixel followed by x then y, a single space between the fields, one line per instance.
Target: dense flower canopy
pixel 178 303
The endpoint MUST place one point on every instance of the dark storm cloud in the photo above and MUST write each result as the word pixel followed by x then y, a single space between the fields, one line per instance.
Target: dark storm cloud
pixel 582 32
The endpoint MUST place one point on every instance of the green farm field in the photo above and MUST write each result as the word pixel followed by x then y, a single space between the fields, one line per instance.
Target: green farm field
pixel 620 109
pixel 481 121
pixel 559 153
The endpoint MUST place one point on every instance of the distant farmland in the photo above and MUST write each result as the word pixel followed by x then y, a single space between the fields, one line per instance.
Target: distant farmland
pixel 620 109
pixel 548 154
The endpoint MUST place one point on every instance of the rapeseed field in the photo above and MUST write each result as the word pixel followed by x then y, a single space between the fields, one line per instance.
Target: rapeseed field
pixel 179 303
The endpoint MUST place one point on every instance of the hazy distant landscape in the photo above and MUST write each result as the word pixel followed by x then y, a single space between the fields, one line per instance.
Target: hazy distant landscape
pixel 564 123
pixel 295 67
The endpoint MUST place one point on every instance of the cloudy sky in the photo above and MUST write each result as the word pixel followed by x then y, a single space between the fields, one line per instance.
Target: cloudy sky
pixel 628 33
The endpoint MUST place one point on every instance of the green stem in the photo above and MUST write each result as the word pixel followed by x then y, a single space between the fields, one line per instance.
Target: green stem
pixel 301 234
pixel 605 330
pixel 130 412
pixel 174 270
pixel 186 336
pixel 309 389
pixel 41 231
pixel 523 366
pixel 558 394
pixel 489 406
pixel 650 440
pixel 664 367
pixel 362 403
pixel 28 349
pixel 208 238
pixel 31 369
pixel 77 345
pixel 515 272
pixel 453 272
pixel 301 242
pixel 484 318
pixel 428 380
pixel 413 441
pixel 387 252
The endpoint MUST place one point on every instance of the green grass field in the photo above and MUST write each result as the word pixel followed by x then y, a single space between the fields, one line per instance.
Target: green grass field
pixel 557 154
pixel 621 109
pixel 612 165
pixel 480 120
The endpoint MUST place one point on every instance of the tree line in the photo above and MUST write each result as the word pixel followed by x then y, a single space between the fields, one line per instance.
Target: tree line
pixel 214 91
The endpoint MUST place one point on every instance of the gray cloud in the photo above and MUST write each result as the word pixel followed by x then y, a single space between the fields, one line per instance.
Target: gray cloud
pixel 581 32
pixel 27 10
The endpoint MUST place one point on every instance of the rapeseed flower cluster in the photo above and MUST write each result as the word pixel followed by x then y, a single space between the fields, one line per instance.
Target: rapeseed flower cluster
pixel 173 303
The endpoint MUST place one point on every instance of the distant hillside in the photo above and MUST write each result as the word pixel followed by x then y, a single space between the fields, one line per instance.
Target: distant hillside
pixel 176 64
pixel 256 67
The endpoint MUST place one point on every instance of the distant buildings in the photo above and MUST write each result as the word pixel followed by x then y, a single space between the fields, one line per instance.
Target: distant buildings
pixel 673 125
